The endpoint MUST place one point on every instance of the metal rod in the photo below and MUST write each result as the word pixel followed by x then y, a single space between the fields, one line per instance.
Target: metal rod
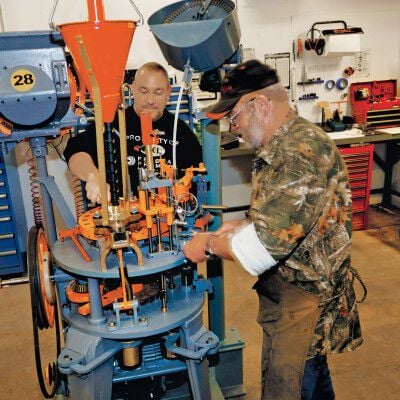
pixel 99 129
pixel 39 151
pixel 141 19
pixel 13 281
pixel 160 247
pixel 149 230
pixel 2 28
pixel 96 310
pixel 53 10
pixel 164 293
pixel 123 148
pixel 169 201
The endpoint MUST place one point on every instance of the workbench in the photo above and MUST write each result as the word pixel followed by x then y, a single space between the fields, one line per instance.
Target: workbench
pixel 240 157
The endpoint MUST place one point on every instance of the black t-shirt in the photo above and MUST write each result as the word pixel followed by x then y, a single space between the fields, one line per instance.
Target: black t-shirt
pixel 188 149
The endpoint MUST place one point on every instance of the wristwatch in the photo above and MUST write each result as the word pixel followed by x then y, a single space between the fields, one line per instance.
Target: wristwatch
pixel 209 249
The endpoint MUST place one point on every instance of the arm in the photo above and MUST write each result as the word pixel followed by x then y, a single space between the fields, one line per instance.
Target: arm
pixel 81 156
pixel 237 241
pixel 82 166
pixel 196 250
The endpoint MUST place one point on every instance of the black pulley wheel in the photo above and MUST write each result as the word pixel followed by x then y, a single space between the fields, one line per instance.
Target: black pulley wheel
pixel 43 304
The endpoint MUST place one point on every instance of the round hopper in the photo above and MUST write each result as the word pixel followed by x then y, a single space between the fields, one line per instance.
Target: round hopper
pixel 107 44
pixel 204 41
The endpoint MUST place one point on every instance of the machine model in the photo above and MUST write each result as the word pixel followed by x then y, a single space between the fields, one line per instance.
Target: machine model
pixel 131 305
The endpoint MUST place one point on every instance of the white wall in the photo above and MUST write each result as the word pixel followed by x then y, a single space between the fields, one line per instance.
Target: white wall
pixel 268 26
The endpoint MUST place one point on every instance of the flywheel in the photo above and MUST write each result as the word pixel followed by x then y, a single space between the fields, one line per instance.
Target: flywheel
pixel 44 305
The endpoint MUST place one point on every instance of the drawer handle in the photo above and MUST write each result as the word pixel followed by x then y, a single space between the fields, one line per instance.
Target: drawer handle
pixel 7 236
pixel 5 219
pixel 3 196
pixel 4 208
pixel 8 253
pixel 2 184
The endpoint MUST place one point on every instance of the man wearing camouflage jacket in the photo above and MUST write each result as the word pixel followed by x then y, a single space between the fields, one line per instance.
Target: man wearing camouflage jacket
pixel 296 239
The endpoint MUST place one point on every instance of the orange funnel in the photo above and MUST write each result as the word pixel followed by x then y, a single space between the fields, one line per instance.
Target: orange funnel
pixel 107 44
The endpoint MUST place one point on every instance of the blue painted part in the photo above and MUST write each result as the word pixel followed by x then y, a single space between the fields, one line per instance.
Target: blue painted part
pixel 30 40
pixel 211 140
pixel 211 143
pixel 59 201
pixel 182 306
pixel 96 309
pixel 159 367
pixel 69 259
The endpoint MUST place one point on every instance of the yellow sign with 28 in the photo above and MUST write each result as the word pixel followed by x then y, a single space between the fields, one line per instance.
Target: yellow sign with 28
pixel 22 80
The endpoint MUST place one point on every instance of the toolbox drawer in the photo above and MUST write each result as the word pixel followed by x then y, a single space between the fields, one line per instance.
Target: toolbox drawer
pixel 12 217
pixel 6 225
pixel 358 162
pixel 7 241
pixel 3 199
pixel 358 192
pixel 8 258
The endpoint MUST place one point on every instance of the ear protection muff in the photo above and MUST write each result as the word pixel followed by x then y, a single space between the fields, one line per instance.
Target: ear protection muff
pixel 309 44
pixel 320 44
pixel 312 43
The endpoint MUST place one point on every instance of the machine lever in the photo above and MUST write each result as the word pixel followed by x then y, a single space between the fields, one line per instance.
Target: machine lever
pixel 207 343
pixel 88 368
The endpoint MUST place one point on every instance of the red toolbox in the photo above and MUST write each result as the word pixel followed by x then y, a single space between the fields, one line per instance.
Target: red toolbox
pixel 375 104
pixel 359 162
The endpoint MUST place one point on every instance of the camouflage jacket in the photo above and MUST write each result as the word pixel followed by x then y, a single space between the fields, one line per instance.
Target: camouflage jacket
pixel 301 208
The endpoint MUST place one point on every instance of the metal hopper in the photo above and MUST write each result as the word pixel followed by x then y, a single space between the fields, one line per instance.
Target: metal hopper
pixel 202 34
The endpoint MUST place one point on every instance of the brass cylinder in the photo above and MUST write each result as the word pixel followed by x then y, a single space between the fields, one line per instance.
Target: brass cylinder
pixel 131 356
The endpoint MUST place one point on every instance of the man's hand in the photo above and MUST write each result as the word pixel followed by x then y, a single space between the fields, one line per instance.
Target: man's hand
pixel 82 166
pixel 93 188
pixel 195 250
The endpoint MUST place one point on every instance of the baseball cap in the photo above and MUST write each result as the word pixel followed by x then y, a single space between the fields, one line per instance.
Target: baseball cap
pixel 247 77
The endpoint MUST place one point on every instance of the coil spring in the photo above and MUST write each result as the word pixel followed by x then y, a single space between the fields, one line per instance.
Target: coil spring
pixel 79 199
pixel 78 287
pixel 35 188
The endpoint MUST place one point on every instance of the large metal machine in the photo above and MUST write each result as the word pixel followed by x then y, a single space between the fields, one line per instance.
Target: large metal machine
pixel 131 305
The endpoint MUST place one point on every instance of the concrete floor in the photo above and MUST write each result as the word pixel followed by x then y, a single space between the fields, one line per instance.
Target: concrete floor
pixel 370 373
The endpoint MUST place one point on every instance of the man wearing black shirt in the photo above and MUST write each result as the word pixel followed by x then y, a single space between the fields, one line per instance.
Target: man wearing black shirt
pixel 151 91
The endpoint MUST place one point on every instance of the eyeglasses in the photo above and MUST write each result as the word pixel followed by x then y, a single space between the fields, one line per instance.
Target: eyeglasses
pixel 232 118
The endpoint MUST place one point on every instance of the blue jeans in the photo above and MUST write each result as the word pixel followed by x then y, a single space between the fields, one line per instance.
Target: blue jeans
pixel 317 383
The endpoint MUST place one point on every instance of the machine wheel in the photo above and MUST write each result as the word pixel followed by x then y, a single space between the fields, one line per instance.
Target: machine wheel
pixel 44 305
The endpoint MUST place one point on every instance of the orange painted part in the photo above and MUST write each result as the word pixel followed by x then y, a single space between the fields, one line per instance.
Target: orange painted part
pixel 43 248
pixel 137 287
pixel 148 136
pixel 166 170
pixel 75 297
pixel 203 222
pixel 107 44
pixel 122 273
pixel 106 298
pixel 95 10
pixel 71 233
pixel 86 225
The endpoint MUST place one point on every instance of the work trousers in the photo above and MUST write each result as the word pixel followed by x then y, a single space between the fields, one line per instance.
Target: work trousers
pixel 288 316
